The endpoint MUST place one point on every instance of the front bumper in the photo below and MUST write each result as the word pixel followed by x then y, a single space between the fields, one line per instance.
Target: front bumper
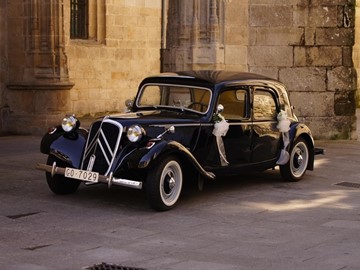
pixel 109 180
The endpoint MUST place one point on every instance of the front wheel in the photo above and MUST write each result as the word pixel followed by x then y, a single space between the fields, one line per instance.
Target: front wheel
pixel 59 184
pixel 164 184
pixel 296 167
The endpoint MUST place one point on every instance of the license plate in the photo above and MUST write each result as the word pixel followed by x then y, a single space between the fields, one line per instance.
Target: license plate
pixel 82 175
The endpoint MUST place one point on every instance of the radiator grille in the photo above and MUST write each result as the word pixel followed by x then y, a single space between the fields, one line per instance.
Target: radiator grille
pixel 102 145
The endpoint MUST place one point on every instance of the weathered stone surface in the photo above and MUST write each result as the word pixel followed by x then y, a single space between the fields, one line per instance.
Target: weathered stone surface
pixel 311 104
pixel 235 55
pixel 335 36
pixel 304 79
pixel 310 36
pixel 318 56
pixel 269 56
pixel 276 2
pixel 270 15
pixel 323 16
pixel 338 127
pixel 341 78
pixel 300 15
pixel 332 2
pixel 278 36
pixel 348 57
pixel 344 104
pixel 271 72
pixel 306 44
pixel 346 16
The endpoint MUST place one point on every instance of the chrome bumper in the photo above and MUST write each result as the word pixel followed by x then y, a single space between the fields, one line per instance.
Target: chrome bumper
pixel 109 180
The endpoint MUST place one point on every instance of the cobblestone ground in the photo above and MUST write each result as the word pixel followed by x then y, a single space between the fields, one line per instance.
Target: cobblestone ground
pixel 247 222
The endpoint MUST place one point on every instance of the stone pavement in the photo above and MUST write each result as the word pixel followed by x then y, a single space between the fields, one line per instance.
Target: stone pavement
pixel 248 222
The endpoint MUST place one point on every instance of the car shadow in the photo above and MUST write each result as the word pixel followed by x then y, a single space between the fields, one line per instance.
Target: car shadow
pixel 100 196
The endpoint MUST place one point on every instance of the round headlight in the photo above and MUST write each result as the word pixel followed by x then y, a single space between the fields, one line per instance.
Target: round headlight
pixel 69 123
pixel 135 133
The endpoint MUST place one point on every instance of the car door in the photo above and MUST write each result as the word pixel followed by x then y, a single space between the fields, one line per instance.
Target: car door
pixel 237 141
pixel 266 137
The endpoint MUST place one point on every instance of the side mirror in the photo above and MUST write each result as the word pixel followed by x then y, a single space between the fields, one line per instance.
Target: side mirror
pixel 220 108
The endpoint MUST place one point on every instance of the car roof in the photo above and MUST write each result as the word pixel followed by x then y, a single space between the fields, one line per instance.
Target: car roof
pixel 220 76
pixel 216 80
pixel 210 77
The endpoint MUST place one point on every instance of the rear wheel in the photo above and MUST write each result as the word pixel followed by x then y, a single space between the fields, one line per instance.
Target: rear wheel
pixel 296 167
pixel 59 184
pixel 164 184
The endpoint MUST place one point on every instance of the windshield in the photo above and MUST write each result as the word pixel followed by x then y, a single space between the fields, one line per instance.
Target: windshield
pixel 175 96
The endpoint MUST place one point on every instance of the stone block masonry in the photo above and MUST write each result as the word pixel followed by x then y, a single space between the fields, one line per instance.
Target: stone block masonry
pixel 305 44
pixel 50 74
pixel 308 46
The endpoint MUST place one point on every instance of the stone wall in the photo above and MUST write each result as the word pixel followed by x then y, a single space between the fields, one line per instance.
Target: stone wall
pixel 309 48
pixel 206 34
pixel 49 74
pixel 305 44
pixel 107 71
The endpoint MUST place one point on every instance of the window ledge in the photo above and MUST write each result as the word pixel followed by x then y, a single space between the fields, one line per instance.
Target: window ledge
pixel 40 85
pixel 88 42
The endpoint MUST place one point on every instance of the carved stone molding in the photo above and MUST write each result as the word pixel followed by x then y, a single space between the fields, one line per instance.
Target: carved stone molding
pixel 45 66
pixel 195 37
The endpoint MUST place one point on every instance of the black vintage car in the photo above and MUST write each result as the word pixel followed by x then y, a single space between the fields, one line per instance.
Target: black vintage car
pixel 191 125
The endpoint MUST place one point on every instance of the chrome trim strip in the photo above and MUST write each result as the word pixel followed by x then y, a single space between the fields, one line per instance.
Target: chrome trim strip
pixel 241 124
pixel 264 122
pixel 211 124
pixel 181 125
pixel 91 147
pixel 103 151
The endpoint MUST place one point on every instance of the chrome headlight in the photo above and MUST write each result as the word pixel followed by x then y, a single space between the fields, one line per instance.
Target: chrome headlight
pixel 135 133
pixel 69 123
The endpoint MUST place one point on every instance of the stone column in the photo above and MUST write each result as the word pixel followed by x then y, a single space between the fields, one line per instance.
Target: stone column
pixel 195 35
pixel 44 64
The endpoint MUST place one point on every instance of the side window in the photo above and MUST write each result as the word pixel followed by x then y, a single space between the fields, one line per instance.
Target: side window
pixel 234 102
pixel 264 106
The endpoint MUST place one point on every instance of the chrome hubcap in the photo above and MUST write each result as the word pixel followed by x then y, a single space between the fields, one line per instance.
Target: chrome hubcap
pixel 171 182
pixel 299 157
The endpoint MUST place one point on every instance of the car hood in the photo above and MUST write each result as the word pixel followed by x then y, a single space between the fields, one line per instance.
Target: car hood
pixel 156 117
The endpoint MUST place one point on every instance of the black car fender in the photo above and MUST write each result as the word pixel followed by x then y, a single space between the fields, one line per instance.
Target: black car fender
pixel 67 147
pixel 160 148
pixel 300 130
pixel 49 138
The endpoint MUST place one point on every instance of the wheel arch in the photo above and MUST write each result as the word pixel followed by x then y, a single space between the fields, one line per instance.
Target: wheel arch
pixel 166 148
pixel 68 148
